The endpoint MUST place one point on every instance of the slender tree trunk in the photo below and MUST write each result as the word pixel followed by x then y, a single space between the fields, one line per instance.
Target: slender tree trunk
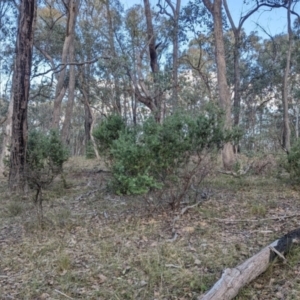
pixel 71 97
pixel 297 121
pixel 286 143
pixel 61 86
pixel 6 142
pixel 89 123
pixel 153 62
pixel 224 93
pixel 114 53
pixel 175 17
pixel 21 79
pixel 236 62
pixel 237 81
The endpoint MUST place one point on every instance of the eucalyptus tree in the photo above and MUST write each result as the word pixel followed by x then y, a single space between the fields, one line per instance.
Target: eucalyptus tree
pixel 8 32
pixel 155 102
pixel 71 9
pixel 174 15
pixel 215 8
pixel 237 33
pixel 21 79
pixel 286 138
pixel 143 51
pixel 199 61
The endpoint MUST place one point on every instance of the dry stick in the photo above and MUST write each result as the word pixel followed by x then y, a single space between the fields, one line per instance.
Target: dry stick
pixel 183 211
pixel 63 294
pixel 278 253
pixel 256 220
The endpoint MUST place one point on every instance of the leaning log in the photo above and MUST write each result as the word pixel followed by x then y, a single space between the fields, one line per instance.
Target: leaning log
pixel 232 280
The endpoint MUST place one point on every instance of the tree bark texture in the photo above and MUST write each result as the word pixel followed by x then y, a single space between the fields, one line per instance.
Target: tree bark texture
pixel 6 142
pixel 236 66
pixel 286 143
pixel 156 99
pixel 89 123
pixel 232 280
pixel 61 84
pixel 71 96
pixel 21 79
pixel 215 9
pixel 175 19
pixel 118 106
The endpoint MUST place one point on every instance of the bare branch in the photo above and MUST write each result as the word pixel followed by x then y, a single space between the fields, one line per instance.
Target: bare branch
pixel 54 70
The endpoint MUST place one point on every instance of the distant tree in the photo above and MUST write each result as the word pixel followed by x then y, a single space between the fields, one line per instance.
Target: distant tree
pixel 61 86
pixel 174 17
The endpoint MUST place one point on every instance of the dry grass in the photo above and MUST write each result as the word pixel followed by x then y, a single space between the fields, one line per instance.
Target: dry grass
pixel 95 245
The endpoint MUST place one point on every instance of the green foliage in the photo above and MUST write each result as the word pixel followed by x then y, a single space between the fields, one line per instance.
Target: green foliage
pixel 131 165
pixel 89 151
pixel 108 131
pixel 45 150
pixel 292 164
pixel 148 156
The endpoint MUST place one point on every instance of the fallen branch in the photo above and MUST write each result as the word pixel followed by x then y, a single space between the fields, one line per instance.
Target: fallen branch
pixel 232 280
pixel 239 173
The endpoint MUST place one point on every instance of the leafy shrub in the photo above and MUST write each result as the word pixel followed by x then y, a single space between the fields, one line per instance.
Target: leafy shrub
pixel 45 157
pixel 153 154
pixel 108 131
pixel 89 151
pixel 131 165
pixel 292 164
pixel 45 151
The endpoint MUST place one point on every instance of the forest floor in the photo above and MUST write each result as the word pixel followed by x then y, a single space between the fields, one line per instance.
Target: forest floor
pixel 96 245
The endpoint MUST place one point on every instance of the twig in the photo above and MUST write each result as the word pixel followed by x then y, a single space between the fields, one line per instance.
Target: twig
pixel 172 266
pixel 63 294
pixel 185 209
pixel 277 252
pixel 173 239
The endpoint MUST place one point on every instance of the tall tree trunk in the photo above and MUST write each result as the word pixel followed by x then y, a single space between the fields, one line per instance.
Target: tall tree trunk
pixel 286 143
pixel 215 9
pixel 89 123
pixel 175 18
pixel 60 86
pixel 21 79
pixel 153 62
pixel 114 54
pixel 6 142
pixel 84 76
pixel 237 80
pixel 71 95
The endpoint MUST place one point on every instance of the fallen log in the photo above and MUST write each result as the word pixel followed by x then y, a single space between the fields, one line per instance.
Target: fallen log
pixel 232 280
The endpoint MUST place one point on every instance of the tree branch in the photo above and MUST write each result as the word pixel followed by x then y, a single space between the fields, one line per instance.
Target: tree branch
pixel 54 70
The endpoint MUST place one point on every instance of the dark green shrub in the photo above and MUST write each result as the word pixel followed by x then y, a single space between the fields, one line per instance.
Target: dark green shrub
pixel 89 151
pixel 292 164
pixel 44 160
pixel 131 165
pixel 45 151
pixel 107 132
pixel 153 154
